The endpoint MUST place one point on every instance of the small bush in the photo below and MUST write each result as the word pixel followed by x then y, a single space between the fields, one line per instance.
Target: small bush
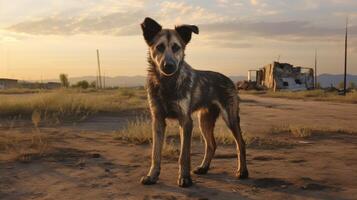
pixel 300 131
pixel 137 132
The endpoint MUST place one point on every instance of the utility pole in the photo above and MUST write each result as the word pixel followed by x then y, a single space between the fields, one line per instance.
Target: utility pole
pixel 99 74
pixel 345 75
pixel 315 69
pixel 103 79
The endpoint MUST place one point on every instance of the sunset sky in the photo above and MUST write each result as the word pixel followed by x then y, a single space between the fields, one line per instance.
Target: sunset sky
pixel 41 38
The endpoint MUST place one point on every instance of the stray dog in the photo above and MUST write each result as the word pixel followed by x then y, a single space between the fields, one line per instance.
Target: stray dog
pixel 176 90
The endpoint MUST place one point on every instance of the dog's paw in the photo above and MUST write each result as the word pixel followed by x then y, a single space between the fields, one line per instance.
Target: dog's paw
pixel 200 170
pixel 148 180
pixel 242 174
pixel 185 182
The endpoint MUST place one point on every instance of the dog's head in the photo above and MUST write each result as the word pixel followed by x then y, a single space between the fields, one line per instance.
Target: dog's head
pixel 167 46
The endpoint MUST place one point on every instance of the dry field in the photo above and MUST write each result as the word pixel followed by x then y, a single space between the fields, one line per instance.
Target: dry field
pixel 96 145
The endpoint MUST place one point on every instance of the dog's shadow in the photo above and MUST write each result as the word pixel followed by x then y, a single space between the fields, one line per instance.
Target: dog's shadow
pixel 197 191
pixel 303 187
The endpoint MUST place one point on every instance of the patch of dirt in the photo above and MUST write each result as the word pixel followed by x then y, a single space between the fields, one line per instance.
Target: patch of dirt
pixel 270 183
pixel 82 168
pixel 266 158
pixel 85 162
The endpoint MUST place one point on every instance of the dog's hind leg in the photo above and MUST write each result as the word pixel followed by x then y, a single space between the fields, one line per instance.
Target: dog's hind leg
pixel 230 114
pixel 207 119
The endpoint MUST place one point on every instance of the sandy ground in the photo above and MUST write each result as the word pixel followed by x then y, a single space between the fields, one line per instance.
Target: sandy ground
pixel 260 113
pixel 86 163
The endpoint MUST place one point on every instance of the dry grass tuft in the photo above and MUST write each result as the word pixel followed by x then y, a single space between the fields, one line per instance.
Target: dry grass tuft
pixel 24 147
pixel 301 131
pixel 298 131
pixel 171 149
pixel 137 132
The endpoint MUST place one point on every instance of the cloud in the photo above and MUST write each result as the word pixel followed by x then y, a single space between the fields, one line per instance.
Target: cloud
pixel 180 12
pixel 117 23
pixel 224 30
pixel 231 44
pixel 229 3
pixel 254 2
pixel 285 30
pixel 10 37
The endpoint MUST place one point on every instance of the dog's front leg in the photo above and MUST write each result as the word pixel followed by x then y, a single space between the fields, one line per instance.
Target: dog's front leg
pixel 184 179
pixel 158 130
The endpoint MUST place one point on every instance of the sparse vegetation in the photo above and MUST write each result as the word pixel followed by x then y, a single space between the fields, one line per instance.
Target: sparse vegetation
pixel 297 131
pixel 22 147
pixel 71 104
pixel 82 84
pixel 139 132
pixel 22 91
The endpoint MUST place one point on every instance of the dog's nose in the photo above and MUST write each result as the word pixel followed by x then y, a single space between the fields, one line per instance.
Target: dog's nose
pixel 169 68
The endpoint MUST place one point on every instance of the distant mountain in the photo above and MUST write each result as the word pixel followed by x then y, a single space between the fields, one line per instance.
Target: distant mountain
pixel 327 79
pixel 124 81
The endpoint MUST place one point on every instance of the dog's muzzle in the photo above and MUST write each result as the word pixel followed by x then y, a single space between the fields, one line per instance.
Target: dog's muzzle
pixel 169 68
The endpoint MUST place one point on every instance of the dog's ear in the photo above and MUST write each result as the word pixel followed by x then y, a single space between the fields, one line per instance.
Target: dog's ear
pixel 185 32
pixel 150 29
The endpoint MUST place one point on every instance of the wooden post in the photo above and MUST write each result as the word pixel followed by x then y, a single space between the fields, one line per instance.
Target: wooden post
pixel 99 74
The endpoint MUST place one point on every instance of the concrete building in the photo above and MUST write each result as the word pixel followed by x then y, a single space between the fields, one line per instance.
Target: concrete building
pixel 6 83
pixel 284 76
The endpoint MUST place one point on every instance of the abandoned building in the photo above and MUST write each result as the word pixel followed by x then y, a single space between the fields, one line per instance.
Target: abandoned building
pixel 283 76
pixel 6 83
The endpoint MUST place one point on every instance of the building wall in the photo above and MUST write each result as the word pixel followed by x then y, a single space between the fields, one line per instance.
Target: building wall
pixel 8 83
pixel 280 76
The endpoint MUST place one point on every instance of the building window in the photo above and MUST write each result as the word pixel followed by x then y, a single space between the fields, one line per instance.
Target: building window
pixel 297 81
pixel 285 84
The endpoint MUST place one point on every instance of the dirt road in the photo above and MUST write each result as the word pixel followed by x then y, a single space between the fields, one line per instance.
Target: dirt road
pixel 261 113
pixel 89 164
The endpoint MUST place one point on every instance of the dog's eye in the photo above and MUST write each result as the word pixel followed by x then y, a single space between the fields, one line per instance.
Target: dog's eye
pixel 160 48
pixel 176 48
